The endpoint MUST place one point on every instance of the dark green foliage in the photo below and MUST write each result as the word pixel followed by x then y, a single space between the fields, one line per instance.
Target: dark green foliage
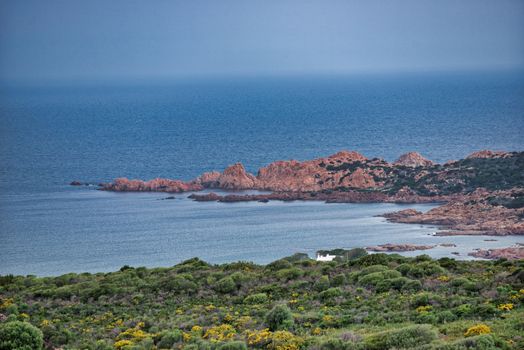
pixel 290 274
pixel 259 298
pixel 481 342
pixel 324 305
pixel 330 293
pixel 279 318
pixel 404 338
pixel 234 345
pixel 168 339
pixel 20 336
pixel 338 280
pixel 322 283
pixel 279 265
pixel 225 285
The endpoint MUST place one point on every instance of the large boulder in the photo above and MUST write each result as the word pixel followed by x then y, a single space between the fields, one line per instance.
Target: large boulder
pixel 413 159
pixel 235 177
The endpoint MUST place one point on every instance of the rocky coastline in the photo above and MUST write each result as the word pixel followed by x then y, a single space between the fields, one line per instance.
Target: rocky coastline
pixel 511 253
pixel 482 194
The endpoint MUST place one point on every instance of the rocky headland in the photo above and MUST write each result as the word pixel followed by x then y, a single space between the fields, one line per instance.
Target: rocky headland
pixel 481 194
pixel 391 247
pixel 511 253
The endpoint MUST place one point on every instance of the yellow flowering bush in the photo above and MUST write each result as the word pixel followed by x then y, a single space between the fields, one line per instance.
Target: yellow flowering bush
pixel 477 330
pixel 135 333
pixel 505 307
pixel 243 322
pixel 443 278
pixel 186 337
pixel 259 337
pixel 5 303
pixel 284 340
pixel 121 343
pixel 220 333
pixel 196 329
pixel 424 309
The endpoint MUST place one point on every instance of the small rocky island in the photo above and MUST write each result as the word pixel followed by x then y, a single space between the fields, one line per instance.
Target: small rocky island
pixel 482 194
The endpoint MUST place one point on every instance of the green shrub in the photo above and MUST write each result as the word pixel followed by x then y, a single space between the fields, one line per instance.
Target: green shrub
pixel 339 280
pixel 279 265
pixel 168 339
pixel 404 338
pixel 225 285
pixel 374 278
pixel 18 335
pixel 259 298
pixel 481 342
pixel 279 318
pixel 412 285
pixel 373 259
pixel 239 278
pixel 290 274
pixel 330 293
pixel 372 269
pixel 321 284
pixel 180 284
pixel 233 345
pixel 335 344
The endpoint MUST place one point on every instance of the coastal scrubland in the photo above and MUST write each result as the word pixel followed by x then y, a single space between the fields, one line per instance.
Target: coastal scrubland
pixel 357 301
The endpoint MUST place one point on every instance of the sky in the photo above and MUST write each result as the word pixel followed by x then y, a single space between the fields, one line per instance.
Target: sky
pixel 128 39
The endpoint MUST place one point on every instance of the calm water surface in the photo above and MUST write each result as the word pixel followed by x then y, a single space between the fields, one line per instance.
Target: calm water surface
pixel 50 136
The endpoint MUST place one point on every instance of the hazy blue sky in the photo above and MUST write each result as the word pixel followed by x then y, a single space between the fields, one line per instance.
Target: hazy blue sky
pixel 100 39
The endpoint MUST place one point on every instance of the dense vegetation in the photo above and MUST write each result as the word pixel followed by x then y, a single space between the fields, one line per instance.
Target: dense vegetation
pixel 374 301
pixel 462 176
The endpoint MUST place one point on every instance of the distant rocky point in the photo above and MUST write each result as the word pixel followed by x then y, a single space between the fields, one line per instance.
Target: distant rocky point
pixel 511 253
pixel 481 194
pixel 391 247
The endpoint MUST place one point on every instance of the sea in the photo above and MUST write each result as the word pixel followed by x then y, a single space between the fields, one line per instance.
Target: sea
pixel 52 134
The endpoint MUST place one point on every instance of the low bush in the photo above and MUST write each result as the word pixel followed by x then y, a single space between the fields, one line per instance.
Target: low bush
pixel 20 336
pixel 404 338
pixel 279 318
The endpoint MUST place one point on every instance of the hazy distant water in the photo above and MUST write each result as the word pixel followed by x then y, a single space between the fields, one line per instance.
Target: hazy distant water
pixel 50 136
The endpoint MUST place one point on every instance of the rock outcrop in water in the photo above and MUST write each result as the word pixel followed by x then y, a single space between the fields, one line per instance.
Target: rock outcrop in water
pixel 511 253
pixel 482 194
pixel 155 185
pixel 410 175
pixel 481 212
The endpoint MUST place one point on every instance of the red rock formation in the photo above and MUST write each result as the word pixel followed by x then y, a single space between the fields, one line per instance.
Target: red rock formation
pixel 155 185
pixel 359 179
pixel 471 214
pixel 512 253
pixel 235 177
pixel 314 175
pixel 413 159
pixel 488 154
pixel 209 179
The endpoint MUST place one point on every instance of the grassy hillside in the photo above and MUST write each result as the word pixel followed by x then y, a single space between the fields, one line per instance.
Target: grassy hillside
pixel 373 302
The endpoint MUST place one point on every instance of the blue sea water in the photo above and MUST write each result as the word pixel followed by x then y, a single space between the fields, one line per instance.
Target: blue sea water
pixel 52 135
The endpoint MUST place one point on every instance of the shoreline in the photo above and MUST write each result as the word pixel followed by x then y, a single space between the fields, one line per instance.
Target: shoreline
pixel 472 203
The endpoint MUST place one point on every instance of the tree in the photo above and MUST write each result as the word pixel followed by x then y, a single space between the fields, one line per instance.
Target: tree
pixel 279 318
